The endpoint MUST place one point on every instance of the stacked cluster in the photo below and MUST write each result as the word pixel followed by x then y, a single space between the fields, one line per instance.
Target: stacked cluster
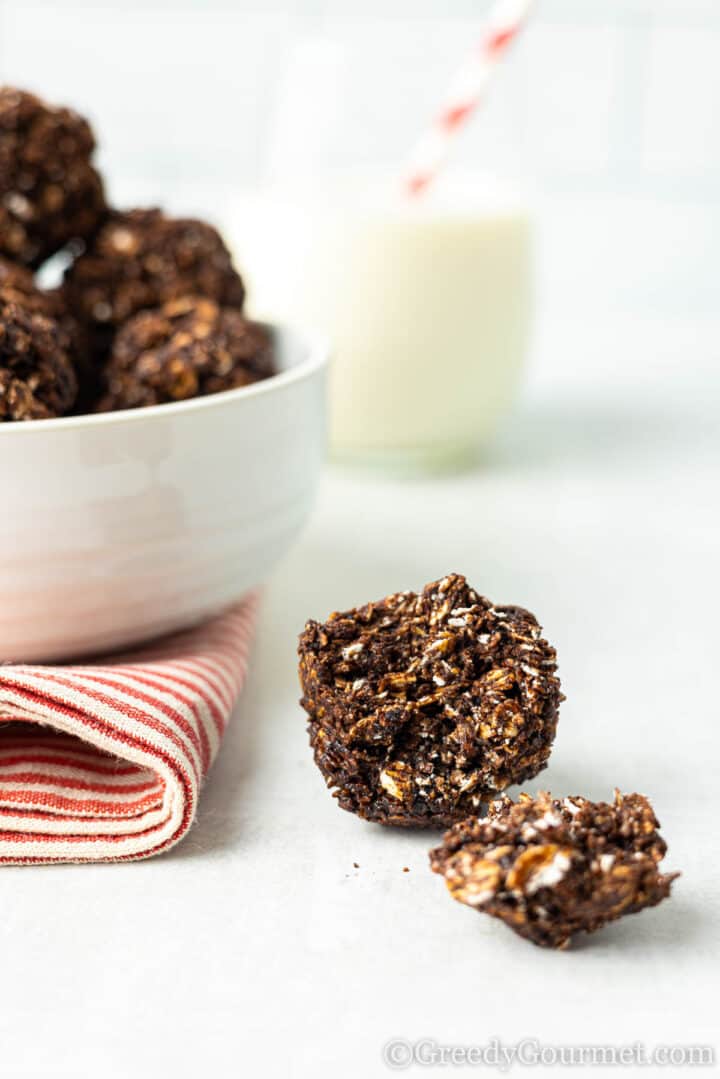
pixel 150 309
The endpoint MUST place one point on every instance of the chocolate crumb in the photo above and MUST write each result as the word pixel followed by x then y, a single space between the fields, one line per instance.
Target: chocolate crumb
pixel 553 867
pixel 423 706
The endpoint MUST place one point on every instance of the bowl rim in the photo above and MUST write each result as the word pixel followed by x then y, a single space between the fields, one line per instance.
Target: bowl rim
pixel 317 358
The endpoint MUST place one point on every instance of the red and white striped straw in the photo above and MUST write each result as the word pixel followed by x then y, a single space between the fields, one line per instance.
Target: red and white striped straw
pixel 505 20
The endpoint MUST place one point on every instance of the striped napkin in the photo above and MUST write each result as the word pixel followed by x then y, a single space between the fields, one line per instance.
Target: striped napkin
pixel 104 761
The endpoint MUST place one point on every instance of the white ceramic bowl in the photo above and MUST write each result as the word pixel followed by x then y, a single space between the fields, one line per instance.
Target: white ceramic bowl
pixel 119 527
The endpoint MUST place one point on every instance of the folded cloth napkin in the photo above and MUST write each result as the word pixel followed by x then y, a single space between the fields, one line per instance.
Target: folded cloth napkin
pixel 104 761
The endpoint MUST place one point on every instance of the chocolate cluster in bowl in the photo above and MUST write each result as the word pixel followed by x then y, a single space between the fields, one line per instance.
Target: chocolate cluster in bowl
pixel 37 377
pixel 150 309
pixel 51 193
pixel 188 347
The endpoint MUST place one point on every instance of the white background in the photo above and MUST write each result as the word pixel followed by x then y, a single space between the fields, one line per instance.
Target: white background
pixel 610 108
pixel 257 948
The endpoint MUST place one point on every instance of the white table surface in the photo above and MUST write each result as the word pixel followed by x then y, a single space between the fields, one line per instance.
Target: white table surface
pixel 256 948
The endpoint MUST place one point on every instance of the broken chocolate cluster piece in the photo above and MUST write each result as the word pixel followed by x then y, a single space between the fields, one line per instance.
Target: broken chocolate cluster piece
pixel 151 307
pixel 550 868
pixel 424 706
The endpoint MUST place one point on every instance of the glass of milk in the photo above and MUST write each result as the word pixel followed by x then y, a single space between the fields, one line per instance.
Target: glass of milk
pixel 426 302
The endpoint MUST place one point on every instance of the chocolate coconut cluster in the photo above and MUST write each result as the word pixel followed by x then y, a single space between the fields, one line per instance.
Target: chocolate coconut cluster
pixel 423 707
pixel 150 309
pixel 553 867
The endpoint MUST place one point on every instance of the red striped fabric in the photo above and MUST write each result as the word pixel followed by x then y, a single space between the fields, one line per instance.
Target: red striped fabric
pixel 104 761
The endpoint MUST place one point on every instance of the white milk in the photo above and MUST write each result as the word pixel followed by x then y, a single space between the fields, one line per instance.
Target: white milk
pixel 426 303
